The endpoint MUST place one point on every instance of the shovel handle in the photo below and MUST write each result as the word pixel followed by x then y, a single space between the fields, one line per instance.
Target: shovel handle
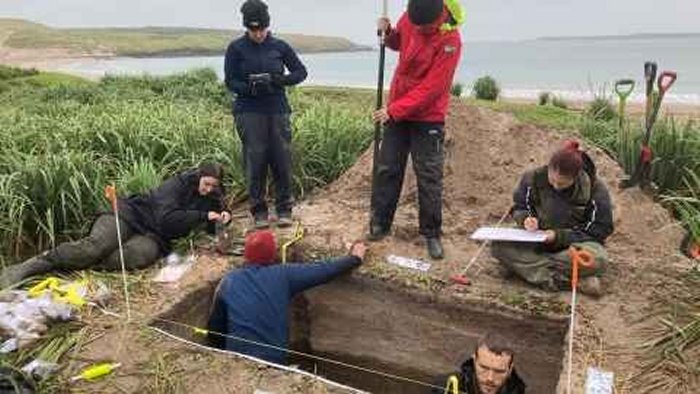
pixel 650 75
pixel 624 88
pixel 666 80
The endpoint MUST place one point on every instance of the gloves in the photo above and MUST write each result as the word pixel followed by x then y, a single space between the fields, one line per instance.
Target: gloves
pixel 278 80
pixel 260 84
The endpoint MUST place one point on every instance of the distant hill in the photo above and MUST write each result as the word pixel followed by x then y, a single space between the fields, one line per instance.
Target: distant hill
pixel 147 41
pixel 638 36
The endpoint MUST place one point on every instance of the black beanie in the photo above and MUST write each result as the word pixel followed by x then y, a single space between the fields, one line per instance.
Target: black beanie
pixel 255 14
pixel 424 12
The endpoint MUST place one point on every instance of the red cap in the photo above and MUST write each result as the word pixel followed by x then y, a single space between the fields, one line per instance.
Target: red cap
pixel 260 248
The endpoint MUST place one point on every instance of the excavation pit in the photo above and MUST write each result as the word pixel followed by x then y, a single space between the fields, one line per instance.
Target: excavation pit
pixel 380 327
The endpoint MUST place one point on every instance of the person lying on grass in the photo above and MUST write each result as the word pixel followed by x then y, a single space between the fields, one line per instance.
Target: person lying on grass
pixel 251 302
pixel 148 223
pixel 572 205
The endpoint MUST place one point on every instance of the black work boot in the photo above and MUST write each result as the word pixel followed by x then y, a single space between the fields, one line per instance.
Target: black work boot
pixel 434 248
pixel 261 221
pixel 377 232
pixel 16 273
pixel 285 219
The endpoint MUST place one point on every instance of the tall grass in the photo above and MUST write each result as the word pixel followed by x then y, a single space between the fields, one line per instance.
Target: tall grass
pixel 675 147
pixel 674 343
pixel 61 143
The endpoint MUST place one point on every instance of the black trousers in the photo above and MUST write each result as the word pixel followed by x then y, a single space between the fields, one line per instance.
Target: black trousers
pixel 266 143
pixel 100 249
pixel 424 141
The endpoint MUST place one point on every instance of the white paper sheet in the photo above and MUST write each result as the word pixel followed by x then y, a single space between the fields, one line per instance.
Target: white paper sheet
pixel 508 234
pixel 599 381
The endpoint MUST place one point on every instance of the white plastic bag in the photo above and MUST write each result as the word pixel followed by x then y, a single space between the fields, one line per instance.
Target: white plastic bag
pixel 174 268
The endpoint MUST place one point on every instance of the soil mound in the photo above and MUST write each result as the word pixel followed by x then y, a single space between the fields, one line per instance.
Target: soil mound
pixel 487 152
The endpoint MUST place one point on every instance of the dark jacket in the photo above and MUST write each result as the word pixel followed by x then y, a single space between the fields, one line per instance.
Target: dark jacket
pixel 468 384
pixel 245 57
pixel 251 303
pixel 172 210
pixel 580 213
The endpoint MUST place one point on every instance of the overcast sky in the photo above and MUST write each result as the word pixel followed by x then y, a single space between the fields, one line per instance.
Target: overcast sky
pixel 354 19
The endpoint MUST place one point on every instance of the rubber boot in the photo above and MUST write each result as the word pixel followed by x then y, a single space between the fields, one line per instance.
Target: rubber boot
pixel 377 233
pixel 435 248
pixel 285 219
pixel 261 221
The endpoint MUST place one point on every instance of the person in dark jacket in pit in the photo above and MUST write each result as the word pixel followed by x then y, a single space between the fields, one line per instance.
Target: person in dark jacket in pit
pixel 193 199
pixel 251 302
pixel 255 69
pixel 490 370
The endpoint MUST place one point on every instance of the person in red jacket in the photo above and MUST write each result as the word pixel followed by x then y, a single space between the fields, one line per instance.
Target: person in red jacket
pixel 429 45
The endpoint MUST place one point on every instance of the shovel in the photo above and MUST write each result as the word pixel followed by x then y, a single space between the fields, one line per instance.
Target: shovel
pixel 380 100
pixel 665 81
pixel 623 88
pixel 380 91
pixel 650 69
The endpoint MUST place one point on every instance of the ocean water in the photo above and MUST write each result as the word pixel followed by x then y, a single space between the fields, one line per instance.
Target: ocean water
pixel 571 68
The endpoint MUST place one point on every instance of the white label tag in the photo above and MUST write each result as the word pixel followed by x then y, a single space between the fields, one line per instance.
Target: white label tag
pixel 406 262
pixel 599 381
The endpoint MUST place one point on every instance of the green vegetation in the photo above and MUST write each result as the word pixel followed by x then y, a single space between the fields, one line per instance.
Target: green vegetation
pixel 546 98
pixel 673 345
pixel 486 88
pixel 546 116
pixel 147 41
pixel 457 89
pixel 601 109
pixel 559 102
pixel 64 139
pixel 7 73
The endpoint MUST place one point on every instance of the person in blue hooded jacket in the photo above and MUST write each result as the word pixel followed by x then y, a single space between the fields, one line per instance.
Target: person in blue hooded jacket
pixel 250 303
pixel 258 67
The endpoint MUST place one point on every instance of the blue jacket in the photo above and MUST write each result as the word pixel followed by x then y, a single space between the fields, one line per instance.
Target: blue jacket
pixel 251 302
pixel 245 57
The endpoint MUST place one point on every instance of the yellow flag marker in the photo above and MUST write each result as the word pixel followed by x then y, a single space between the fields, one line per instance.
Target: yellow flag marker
pixel 96 371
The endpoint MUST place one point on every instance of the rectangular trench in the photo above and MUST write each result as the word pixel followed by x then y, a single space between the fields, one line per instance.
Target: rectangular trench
pixel 376 326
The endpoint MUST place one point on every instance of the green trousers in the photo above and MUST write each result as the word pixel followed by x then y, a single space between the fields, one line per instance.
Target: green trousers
pixel 546 269
pixel 100 249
